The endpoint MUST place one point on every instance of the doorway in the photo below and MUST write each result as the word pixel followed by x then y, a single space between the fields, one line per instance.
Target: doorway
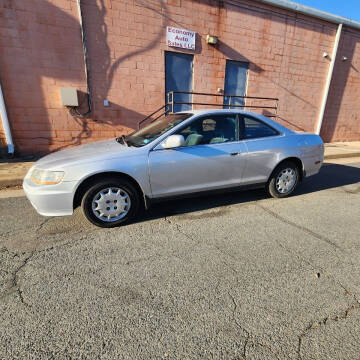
pixel 179 77
pixel 236 73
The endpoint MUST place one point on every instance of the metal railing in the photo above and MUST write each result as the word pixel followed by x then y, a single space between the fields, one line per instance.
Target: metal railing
pixel 227 103
pixel 163 110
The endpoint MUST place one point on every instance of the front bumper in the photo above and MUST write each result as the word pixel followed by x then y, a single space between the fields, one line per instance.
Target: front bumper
pixel 51 200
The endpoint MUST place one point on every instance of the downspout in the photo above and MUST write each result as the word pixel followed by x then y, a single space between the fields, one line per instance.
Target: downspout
pixel 5 124
pixel 85 54
pixel 328 80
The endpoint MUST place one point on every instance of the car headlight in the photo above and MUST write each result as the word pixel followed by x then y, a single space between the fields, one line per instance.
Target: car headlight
pixel 46 177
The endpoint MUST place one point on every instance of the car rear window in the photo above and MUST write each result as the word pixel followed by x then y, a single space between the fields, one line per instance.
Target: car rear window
pixel 256 129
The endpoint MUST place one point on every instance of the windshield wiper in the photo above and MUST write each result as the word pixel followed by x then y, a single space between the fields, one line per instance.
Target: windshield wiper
pixel 122 139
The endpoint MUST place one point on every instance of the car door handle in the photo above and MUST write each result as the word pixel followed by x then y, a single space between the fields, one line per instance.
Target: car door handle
pixel 234 154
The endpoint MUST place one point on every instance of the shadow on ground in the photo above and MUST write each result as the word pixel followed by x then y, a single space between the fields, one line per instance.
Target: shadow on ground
pixel 330 176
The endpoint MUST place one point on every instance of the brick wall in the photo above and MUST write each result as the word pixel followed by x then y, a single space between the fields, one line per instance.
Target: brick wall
pixel 342 116
pixel 40 51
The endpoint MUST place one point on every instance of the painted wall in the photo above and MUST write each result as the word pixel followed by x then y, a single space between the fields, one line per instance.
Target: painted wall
pixel 40 51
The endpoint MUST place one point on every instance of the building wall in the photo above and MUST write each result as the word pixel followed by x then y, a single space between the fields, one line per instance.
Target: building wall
pixel 40 51
pixel 342 116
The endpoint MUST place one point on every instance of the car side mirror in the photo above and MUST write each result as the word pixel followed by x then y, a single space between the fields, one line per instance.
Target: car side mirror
pixel 173 141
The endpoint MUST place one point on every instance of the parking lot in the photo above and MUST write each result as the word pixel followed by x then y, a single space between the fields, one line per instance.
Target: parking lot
pixel 231 276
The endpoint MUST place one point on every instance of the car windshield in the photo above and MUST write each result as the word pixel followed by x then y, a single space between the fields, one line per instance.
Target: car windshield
pixel 152 131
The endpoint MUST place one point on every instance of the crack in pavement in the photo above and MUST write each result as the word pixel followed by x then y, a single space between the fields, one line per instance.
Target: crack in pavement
pixel 301 258
pixel 218 248
pixel 247 333
pixel 314 267
pixel 342 315
pixel 15 279
pixel 300 227
pixel 249 338
pixel 323 322
pixel 171 254
pixel 40 226
pixel 37 228
pixel 179 230
pixel 14 282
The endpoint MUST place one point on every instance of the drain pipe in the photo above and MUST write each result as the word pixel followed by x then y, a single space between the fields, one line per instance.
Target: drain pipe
pixel 5 123
pixel 328 80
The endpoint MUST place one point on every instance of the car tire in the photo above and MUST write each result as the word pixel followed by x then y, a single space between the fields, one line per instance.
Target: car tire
pixel 111 202
pixel 284 180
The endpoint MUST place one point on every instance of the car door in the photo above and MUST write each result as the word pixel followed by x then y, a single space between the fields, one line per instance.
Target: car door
pixel 262 142
pixel 212 157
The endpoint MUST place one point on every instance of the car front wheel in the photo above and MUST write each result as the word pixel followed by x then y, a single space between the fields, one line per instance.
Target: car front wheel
pixel 283 180
pixel 111 202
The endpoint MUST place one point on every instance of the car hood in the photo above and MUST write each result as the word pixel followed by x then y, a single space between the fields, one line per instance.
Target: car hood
pixel 100 150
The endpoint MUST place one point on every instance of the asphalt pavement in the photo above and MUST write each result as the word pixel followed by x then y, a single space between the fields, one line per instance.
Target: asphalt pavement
pixel 231 276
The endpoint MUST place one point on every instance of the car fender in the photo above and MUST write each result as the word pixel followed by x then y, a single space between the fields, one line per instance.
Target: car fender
pixel 134 167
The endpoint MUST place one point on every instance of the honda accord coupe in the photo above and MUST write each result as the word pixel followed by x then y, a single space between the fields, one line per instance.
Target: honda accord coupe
pixel 178 154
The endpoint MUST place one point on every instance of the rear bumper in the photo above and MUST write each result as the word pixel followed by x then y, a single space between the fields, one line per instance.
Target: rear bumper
pixel 313 165
pixel 51 200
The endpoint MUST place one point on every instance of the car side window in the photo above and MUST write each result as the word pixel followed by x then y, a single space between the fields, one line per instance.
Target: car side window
pixel 211 129
pixel 253 128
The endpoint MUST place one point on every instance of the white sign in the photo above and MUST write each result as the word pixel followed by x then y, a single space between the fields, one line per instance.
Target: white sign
pixel 180 38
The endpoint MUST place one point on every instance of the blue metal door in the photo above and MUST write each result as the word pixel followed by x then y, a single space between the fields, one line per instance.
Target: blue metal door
pixel 235 82
pixel 178 77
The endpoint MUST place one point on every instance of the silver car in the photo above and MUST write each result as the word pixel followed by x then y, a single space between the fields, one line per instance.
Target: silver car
pixel 179 154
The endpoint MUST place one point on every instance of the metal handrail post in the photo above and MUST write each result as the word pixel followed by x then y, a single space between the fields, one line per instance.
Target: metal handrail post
pixel 170 95
pixel 168 99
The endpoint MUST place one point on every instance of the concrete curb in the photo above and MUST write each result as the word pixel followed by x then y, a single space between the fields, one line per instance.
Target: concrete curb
pixel 9 183
pixel 341 156
pixel 12 173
